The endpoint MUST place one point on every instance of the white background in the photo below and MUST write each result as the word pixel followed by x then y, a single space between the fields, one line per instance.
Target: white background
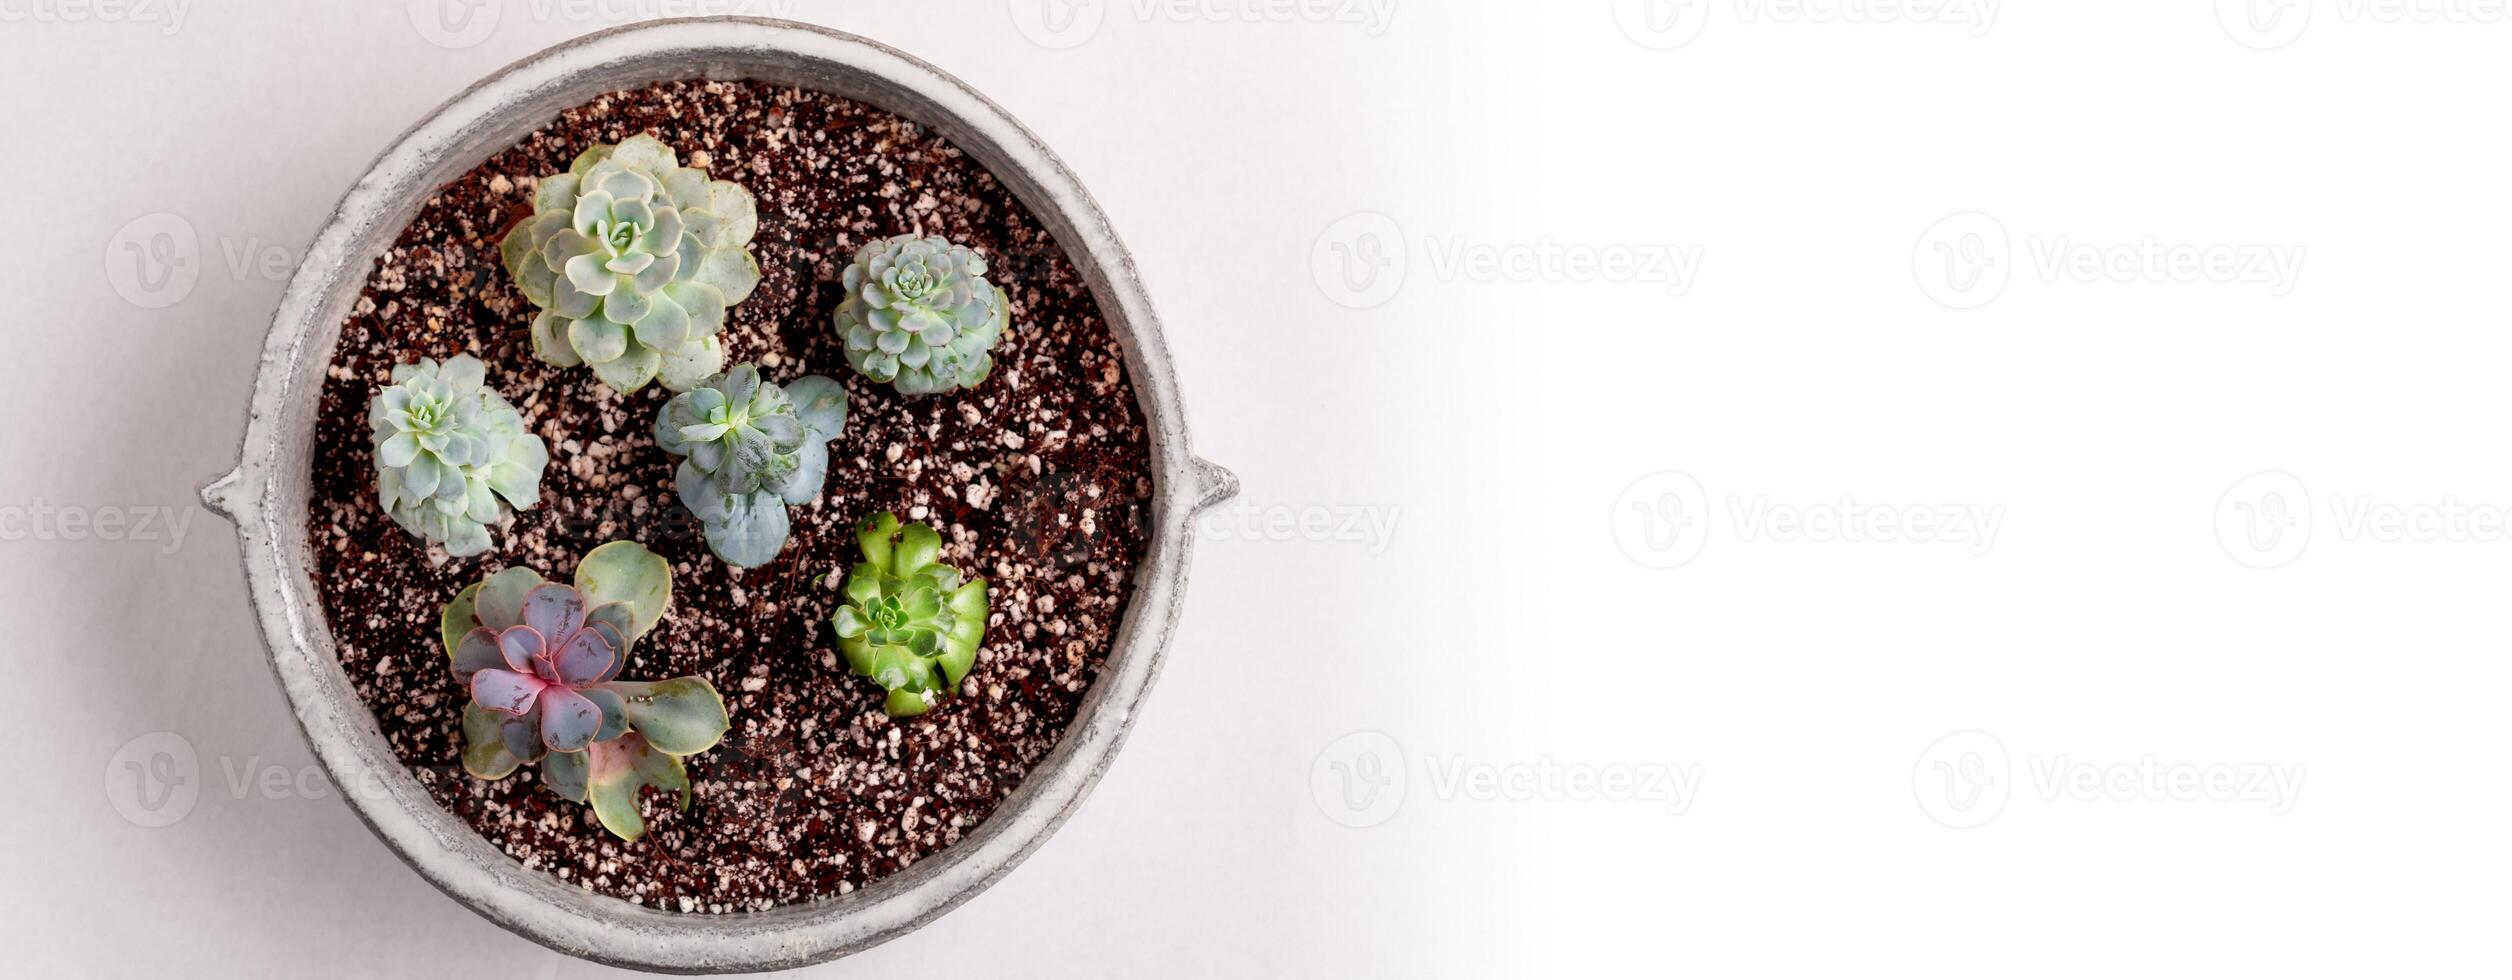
pixel 1534 439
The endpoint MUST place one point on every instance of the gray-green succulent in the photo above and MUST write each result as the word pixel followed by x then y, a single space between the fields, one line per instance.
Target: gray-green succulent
pixel 910 623
pixel 451 455
pixel 752 447
pixel 920 316
pixel 633 260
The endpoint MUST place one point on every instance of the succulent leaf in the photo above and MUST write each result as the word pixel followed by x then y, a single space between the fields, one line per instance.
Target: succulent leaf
pixel 918 545
pixel 618 622
pixel 456 620
pixel 684 368
pixel 874 535
pixel 568 720
pixel 820 403
pixel 507 692
pixel 631 369
pixel 451 455
pixel 588 657
pixel 521 737
pixel 967 630
pixel 521 646
pixel 614 712
pixel 750 451
pixel 682 716
pixel 751 531
pixel 907 703
pixel 477 651
pixel 618 769
pixel 553 611
pixel 810 473
pixel 909 623
pixel 633 259
pixel 500 597
pixel 626 572
pixel 483 747
pixel 919 315
pixel 565 773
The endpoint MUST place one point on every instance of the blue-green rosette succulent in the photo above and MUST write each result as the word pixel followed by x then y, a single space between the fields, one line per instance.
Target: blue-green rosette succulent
pixel 920 316
pixel 910 623
pixel 752 448
pixel 633 260
pixel 451 455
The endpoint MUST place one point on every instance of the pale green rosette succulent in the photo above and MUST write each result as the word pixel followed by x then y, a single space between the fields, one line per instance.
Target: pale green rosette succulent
pixel 910 623
pixel 633 260
pixel 451 455
pixel 753 448
pixel 920 316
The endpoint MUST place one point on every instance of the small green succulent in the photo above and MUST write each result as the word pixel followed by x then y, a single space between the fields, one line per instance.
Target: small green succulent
pixel 633 260
pixel 753 448
pixel 909 623
pixel 451 455
pixel 541 660
pixel 920 316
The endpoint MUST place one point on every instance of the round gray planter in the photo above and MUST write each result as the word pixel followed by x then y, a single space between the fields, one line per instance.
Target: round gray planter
pixel 267 495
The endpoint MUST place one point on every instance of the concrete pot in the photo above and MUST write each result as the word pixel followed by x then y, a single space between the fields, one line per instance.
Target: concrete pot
pixel 267 495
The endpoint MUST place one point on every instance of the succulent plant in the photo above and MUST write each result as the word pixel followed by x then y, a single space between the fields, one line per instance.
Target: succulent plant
pixel 909 623
pixel 633 260
pixel 541 661
pixel 753 448
pixel 451 455
pixel 920 316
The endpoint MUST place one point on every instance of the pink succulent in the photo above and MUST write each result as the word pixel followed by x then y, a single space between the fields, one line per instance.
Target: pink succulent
pixel 545 670
pixel 539 659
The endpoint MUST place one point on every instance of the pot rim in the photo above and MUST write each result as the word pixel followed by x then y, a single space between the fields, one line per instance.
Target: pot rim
pixel 268 494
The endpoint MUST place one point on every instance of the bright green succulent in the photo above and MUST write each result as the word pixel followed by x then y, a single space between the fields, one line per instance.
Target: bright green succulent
pixel 541 660
pixel 752 449
pixel 920 316
pixel 633 260
pixel 909 623
pixel 451 455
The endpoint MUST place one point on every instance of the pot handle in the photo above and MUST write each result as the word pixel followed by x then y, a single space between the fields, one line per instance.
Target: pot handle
pixel 1213 484
pixel 230 496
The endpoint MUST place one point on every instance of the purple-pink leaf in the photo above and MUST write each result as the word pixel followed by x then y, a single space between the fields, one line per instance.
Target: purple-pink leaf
pixel 553 609
pixel 568 720
pixel 586 658
pixel 619 647
pixel 477 652
pixel 506 691
pixel 519 645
